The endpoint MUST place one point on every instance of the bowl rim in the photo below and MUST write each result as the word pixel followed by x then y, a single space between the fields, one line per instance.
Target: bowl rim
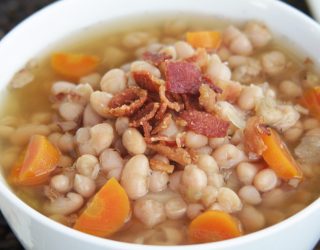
pixel 9 195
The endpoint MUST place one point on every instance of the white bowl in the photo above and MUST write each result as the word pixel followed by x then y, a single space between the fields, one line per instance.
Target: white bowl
pixel 49 25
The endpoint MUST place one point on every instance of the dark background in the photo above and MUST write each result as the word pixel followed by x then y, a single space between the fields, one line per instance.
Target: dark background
pixel 11 13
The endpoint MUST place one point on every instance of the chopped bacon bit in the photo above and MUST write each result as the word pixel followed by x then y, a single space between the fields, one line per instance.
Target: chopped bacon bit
pixel 180 139
pixel 147 81
pixel 207 98
pixel 162 124
pixel 230 90
pixel 182 77
pixel 161 166
pixel 205 123
pixel 178 155
pixel 191 102
pixel 145 114
pixel 215 88
pixel 162 138
pixel 127 102
pixel 161 111
pixel 147 131
pixel 172 105
pixel 155 58
pixel 200 58
pixel 253 142
pixel 187 103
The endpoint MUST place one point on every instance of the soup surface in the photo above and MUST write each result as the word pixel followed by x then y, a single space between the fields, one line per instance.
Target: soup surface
pixel 176 131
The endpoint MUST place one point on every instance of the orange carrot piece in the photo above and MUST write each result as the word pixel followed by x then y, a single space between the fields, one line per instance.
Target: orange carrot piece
pixel 213 226
pixel 311 101
pixel 279 158
pixel 74 66
pixel 35 165
pixel 204 39
pixel 107 212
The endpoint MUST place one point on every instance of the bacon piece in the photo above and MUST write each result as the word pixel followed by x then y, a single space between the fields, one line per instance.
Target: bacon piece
pixel 147 131
pixel 173 105
pixel 182 77
pixel 205 123
pixel 155 58
pixel 162 124
pixel 207 98
pixel 253 142
pixel 145 114
pixel 127 102
pixel 161 166
pixel 178 155
pixel 215 88
pixel 161 111
pixel 147 81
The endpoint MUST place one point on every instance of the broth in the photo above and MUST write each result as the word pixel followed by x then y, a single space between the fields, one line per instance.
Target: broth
pixel 31 104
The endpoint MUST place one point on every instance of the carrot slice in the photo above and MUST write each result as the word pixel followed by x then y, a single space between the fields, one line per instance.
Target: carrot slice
pixel 311 101
pixel 107 212
pixel 213 226
pixel 279 158
pixel 204 39
pixel 74 66
pixel 35 165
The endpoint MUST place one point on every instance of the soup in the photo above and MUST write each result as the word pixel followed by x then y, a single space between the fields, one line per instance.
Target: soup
pixel 168 132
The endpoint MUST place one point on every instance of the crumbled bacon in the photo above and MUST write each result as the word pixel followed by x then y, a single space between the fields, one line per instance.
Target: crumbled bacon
pixel 147 131
pixel 127 102
pixel 147 81
pixel 207 98
pixel 178 155
pixel 215 88
pixel 253 142
pixel 182 77
pixel 145 114
pixel 161 111
pixel 172 105
pixel 162 124
pixel 205 123
pixel 155 58
pixel 161 166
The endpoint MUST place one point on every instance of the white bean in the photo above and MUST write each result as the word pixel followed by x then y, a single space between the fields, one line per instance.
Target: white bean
pixel 133 141
pixel 99 102
pixel 70 111
pixel 61 183
pixel 217 70
pixel 193 140
pixel 246 172
pixel 273 62
pixel 290 89
pixel 114 81
pixel 193 181
pixel 229 200
pixel 216 180
pixel 122 123
pixel 249 97
pixel 206 150
pixel 102 136
pixel 135 39
pixel 88 165
pixel 241 45
pixel 265 180
pixel 110 159
pixel 174 180
pixel 91 117
pixel 250 195
pixel 209 196
pixel 115 173
pixel 158 181
pixel 66 142
pixel 93 79
pixel 162 158
pixel 65 205
pixel 84 185
pixel 252 219
pixel 144 66
pixel 217 142
pixel 149 212
pixel 258 34
pixel 228 156
pixel 183 49
pixel 194 209
pixel 134 177
pixel 274 198
pixel 208 164
pixel 175 208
